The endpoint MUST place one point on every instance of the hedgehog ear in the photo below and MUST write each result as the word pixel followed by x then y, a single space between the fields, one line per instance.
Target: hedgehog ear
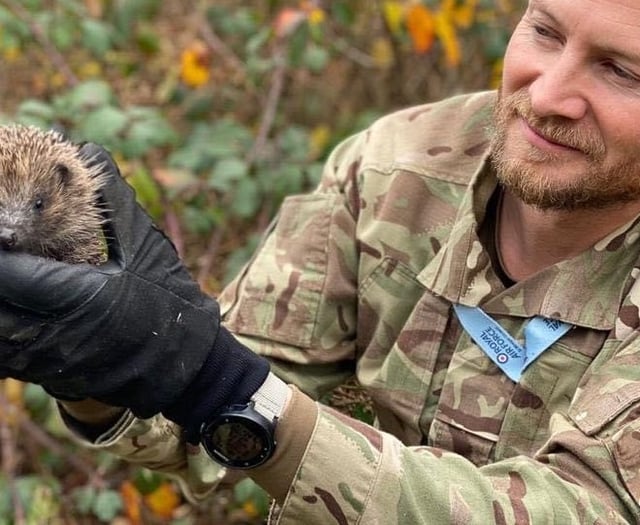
pixel 63 172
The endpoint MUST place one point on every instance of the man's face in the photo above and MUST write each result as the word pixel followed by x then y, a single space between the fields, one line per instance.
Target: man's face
pixel 567 124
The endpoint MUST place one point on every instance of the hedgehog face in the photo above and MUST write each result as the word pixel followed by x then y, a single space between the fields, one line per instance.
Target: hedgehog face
pixel 47 196
pixel 34 211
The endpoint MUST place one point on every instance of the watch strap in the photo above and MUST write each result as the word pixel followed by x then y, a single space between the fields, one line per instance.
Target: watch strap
pixel 270 399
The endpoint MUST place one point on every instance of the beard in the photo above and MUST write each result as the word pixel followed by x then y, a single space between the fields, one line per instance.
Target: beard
pixel 544 179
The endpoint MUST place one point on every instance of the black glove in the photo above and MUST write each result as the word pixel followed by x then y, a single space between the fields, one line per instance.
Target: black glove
pixel 135 332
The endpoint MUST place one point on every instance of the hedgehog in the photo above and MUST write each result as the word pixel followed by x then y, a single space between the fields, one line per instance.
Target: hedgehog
pixel 49 197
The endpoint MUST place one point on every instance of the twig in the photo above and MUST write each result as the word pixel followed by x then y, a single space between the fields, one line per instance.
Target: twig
pixel 207 260
pixel 270 107
pixel 355 55
pixel 218 46
pixel 56 57
pixel 266 124
pixel 41 437
pixel 8 446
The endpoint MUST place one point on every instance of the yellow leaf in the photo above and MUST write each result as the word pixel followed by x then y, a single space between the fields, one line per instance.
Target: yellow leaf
pixel 447 35
pixel 382 52
pixel 421 26
pixel 316 16
pixel 58 80
pixel 464 14
pixel 163 501
pixel 393 13
pixel 90 69
pixel 496 74
pixel 13 390
pixel 11 54
pixel 318 140
pixel 447 6
pixel 250 509
pixel 195 65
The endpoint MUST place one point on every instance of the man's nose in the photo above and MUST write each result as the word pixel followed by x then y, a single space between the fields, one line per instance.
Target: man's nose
pixel 559 90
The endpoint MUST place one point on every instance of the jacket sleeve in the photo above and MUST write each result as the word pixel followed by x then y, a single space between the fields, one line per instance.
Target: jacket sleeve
pixel 352 473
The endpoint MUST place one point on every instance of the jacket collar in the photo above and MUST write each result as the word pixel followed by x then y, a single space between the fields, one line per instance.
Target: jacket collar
pixel 586 290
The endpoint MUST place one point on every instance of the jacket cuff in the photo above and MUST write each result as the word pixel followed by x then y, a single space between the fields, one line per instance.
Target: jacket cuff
pixel 293 433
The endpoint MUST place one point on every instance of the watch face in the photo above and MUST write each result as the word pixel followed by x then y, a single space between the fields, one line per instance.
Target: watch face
pixel 239 439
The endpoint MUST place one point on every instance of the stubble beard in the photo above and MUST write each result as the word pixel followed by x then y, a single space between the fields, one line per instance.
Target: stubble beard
pixel 529 175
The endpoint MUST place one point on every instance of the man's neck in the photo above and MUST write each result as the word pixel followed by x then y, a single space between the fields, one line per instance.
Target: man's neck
pixel 530 239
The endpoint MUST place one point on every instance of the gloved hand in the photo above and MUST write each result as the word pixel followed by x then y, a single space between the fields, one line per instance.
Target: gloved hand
pixel 135 332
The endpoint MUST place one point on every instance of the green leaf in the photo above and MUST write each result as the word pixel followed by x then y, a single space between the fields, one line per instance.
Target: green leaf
pixel 237 259
pixel 226 172
pixel 257 41
pixel 36 399
pixel 62 32
pixel 283 180
pixel 294 144
pixel 30 490
pixel 84 97
pixel 246 198
pixel 102 125
pixel 12 25
pixel 84 498
pixel 96 36
pixel 247 490
pixel 315 58
pixel 148 39
pixel 298 44
pixel 201 220
pixel 342 12
pixel 208 143
pixel 147 192
pixel 107 505
pixel 147 129
pixel 35 113
pixel 146 481
pixel 239 23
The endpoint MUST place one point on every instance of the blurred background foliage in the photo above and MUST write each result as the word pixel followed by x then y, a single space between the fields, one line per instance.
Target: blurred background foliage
pixel 215 110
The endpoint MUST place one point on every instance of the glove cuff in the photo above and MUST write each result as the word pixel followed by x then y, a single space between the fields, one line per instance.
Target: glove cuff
pixel 231 374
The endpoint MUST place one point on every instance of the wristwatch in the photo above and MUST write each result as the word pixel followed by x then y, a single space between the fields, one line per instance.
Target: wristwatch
pixel 243 436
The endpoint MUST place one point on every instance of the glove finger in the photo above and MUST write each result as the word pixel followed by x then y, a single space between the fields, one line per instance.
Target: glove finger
pixel 45 286
pixel 127 223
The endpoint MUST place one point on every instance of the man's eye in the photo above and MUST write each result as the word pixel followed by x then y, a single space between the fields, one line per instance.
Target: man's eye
pixel 622 73
pixel 544 31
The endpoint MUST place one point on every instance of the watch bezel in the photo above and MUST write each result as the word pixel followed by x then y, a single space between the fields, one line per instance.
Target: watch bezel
pixel 256 423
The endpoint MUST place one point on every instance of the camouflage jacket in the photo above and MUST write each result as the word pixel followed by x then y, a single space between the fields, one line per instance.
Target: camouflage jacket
pixel 360 277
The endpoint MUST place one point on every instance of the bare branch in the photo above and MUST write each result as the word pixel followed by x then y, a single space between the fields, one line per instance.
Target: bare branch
pixel 52 52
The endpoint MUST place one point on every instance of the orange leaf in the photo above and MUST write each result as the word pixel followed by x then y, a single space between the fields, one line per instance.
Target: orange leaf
pixel 163 501
pixel 287 20
pixel 131 499
pixel 421 27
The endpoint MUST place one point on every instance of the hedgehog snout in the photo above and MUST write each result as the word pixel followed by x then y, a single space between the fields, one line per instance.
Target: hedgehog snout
pixel 8 238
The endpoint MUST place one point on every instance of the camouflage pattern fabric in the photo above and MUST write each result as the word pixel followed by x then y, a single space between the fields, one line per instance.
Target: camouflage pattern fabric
pixel 359 277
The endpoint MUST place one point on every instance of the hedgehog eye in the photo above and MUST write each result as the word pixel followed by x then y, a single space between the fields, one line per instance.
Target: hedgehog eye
pixel 38 204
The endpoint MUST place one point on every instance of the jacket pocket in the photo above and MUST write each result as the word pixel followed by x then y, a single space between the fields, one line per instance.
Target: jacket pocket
pixel 278 293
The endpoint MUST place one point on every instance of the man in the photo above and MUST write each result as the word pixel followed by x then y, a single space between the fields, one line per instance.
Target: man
pixel 481 285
